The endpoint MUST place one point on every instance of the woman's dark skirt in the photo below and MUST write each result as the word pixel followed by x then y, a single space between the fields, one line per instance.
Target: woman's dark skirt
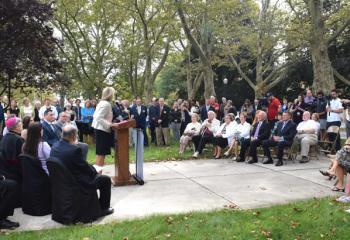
pixel 221 142
pixel 104 142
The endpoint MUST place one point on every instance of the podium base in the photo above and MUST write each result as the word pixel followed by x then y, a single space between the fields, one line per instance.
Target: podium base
pixel 127 182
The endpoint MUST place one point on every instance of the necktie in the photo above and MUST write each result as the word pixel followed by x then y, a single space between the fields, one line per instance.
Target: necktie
pixel 52 126
pixel 256 134
pixel 284 124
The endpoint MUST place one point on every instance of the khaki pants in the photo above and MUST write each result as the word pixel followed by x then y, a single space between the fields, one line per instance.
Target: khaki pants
pixel 163 133
pixel 305 141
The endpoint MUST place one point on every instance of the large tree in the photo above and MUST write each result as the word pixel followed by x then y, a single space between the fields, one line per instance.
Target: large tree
pixel 318 23
pixel 27 46
pixel 89 44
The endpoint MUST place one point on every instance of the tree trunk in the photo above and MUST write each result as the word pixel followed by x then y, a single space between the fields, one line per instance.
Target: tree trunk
pixel 322 68
pixel 209 89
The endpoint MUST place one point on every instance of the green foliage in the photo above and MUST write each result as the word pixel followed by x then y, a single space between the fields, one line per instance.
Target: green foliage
pixel 312 219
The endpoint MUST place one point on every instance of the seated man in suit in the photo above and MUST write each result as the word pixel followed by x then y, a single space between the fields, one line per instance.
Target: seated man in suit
pixel 283 137
pixel 71 156
pixel 63 119
pixel 50 135
pixel 261 132
pixel 10 192
pixel 139 113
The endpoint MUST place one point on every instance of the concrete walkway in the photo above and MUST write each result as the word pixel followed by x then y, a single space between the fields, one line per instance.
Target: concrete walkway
pixel 184 186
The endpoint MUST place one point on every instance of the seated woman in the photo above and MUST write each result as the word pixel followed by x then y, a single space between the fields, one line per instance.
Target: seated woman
pixel 208 128
pixel 27 120
pixel 340 166
pixel 35 146
pixel 192 129
pixel 224 135
pixel 242 132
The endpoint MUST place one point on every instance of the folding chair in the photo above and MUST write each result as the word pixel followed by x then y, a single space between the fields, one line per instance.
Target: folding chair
pixel 327 146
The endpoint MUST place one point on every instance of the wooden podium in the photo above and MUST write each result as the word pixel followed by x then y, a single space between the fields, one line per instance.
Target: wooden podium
pixel 121 157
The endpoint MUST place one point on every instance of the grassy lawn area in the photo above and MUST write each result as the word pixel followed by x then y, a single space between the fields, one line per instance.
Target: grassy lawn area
pixel 313 219
pixel 152 154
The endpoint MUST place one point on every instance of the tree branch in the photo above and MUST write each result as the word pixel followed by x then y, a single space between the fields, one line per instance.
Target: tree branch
pixel 340 77
pixel 189 35
pixel 339 31
pixel 240 71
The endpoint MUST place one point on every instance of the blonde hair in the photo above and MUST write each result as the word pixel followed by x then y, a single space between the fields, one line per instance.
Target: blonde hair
pixel 108 94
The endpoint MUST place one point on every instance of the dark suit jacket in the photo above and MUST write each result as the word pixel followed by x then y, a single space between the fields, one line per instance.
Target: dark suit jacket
pixel 140 119
pixel 50 136
pixel 164 116
pixel 288 132
pixel 264 131
pixel 204 112
pixel 152 113
pixel 72 158
pixel 10 148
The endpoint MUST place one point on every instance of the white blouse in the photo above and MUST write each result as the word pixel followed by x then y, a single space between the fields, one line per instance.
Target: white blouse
pixel 193 127
pixel 214 126
pixel 244 130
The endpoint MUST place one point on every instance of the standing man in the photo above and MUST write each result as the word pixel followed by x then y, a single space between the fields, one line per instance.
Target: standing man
pixel 283 137
pixel 334 110
pixel 152 116
pixel 50 132
pixel 205 109
pixel 222 107
pixel 77 111
pixel 309 100
pixel 163 121
pixel 273 107
pixel 320 109
pixel 58 106
pixel 47 106
pixel 139 113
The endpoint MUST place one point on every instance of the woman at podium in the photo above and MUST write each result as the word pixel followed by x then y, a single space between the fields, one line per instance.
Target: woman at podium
pixel 102 123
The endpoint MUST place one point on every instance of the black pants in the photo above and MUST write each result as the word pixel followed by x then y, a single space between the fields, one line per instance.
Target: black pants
pixel 152 130
pixel 10 193
pixel 252 150
pixel 200 141
pixel 103 184
pixel 280 145
pixel 333 136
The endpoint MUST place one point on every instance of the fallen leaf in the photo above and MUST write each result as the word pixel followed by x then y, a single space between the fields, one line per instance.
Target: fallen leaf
pixel 297 209
pixel 257 213
pixel 263 188
pixel 168 235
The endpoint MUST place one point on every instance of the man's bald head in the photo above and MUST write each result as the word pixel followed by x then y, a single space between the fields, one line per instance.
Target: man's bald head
pixel 69 133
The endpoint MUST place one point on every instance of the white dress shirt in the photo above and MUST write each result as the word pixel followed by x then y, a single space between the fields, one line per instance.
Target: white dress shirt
pixel 306 125
pixel 214 126
pixel 335 104
pixel 244 130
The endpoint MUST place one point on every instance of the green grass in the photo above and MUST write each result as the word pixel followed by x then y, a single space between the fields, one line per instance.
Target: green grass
pixel 151 154
pixel 313 219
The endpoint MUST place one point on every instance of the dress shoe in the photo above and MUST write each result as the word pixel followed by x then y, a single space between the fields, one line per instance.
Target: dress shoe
pixel 251 161
pixel 268 161
pixel 107 211
pixel 7 224
pixel 239 159
pixel 279 163
pixel 304 159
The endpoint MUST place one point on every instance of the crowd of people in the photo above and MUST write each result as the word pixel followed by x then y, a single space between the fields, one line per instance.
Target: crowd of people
pixel 53 130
